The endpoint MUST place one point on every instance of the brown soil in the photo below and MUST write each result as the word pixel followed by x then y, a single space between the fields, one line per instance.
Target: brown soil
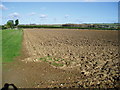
pixel 65 58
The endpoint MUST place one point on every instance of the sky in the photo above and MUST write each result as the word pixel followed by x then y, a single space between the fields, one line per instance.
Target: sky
pixel 59 0
pixel 60 12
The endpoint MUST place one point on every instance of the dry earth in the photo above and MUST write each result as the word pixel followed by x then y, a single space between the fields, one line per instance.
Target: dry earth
pixel 56 58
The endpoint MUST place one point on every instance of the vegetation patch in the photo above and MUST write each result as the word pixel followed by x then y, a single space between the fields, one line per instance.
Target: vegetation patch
pixel 53 61
pixel 57 64
pixel 0 46
pixel 11 44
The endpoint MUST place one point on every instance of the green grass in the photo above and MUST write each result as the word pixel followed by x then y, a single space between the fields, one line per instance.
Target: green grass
pixel 0 46
pixel 11 44
pixel 48 59
pixel 57 64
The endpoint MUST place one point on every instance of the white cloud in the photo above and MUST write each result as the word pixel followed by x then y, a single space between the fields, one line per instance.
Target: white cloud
pixel 32 13
pixel 2 7
pixel 14 15
pixel 43 16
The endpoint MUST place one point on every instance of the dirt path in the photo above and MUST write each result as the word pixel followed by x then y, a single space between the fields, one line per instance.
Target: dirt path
pixel 65 58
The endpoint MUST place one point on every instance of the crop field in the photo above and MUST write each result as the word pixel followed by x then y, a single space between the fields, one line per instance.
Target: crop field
pixel 57 58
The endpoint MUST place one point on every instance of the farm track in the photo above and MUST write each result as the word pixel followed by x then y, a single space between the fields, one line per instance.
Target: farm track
pixel 79 58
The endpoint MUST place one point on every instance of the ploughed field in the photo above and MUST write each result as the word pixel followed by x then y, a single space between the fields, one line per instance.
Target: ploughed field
pixel 69 58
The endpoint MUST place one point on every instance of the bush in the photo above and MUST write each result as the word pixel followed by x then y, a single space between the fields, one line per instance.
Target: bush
pixel 3 27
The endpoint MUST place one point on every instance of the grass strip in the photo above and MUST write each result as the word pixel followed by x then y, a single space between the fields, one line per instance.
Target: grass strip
pixel 11 44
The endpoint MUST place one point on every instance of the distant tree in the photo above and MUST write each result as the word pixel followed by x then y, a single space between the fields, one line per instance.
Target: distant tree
pixel 3 27
pixel 16 22
pixel 10 24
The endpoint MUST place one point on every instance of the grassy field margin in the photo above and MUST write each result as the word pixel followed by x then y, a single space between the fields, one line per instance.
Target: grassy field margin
pixel 0 58
pixel 11 44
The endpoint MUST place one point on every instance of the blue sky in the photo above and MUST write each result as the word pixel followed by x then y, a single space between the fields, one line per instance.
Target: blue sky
pixel 60 12
pixel 60 0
